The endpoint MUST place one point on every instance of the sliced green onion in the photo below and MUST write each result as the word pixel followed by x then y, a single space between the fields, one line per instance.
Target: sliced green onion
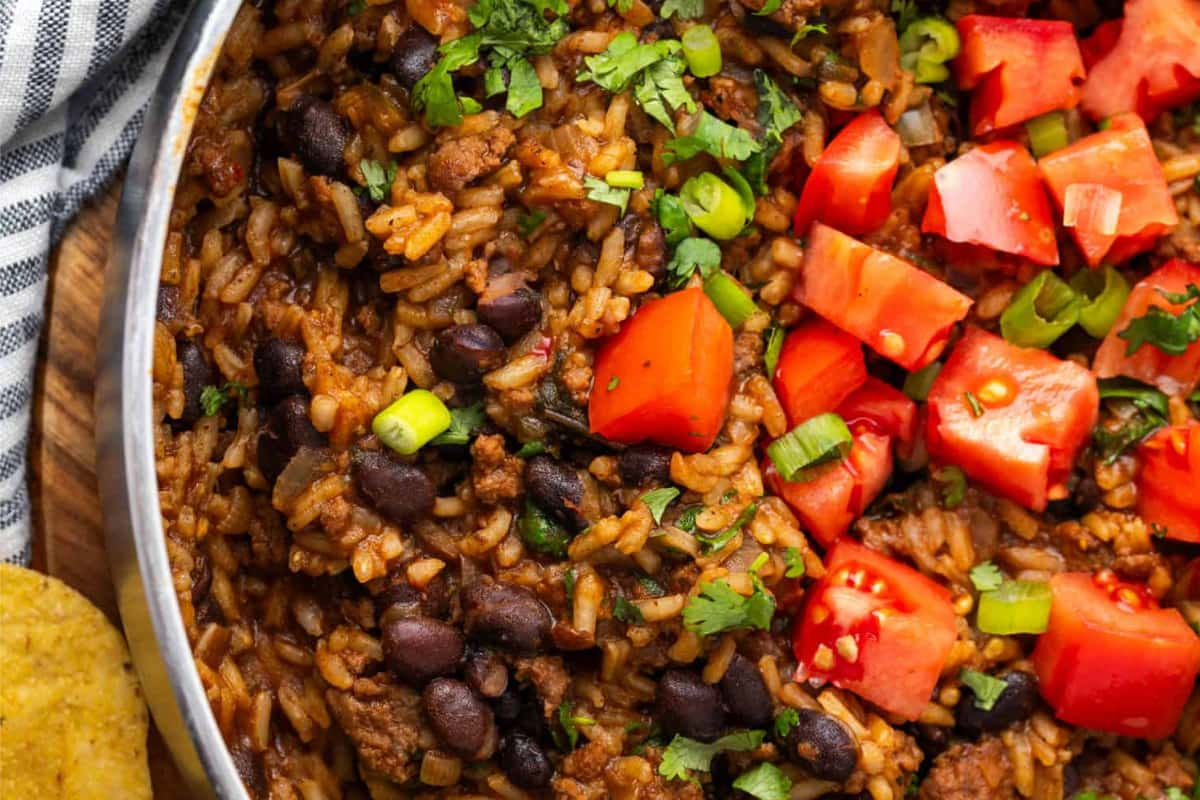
pixel 1040 312
pixel 408 424
pixel 1016 607
pixel 714 206
pixel 918 384
pixel 1047 133
pixel 774 347
pixel 702 50
pixel 815 441
pixel 926 45
pixel 730 298
pixel 625 179
pixel 1104 292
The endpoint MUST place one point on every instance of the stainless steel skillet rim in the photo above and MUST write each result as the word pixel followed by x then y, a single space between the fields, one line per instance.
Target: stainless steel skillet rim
pixel 124 425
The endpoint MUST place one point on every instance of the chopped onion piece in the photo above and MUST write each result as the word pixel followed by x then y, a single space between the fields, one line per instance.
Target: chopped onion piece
pixel 1092 207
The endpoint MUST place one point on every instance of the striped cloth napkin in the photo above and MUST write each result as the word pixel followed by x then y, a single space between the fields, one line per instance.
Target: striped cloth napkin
pixel 75 79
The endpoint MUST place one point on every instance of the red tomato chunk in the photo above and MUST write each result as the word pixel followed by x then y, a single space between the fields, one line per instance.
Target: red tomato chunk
pixel 1173 374
pixel 829 502
pixel 850 186
pixel 1017 68
pixel 902 312
pixel 1148 63
pixel 1167 480
pixel 819 366
pixel 1112 660
pixel 1012 418
pixel 877 628
pixel 1122 159
pixel 992 196
pixel 877 406
pixel 665 376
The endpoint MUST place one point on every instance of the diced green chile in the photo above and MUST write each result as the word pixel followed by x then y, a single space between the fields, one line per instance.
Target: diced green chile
pixel 926 45
pixel 714 206
pixel 1104 292
pixel 1040 312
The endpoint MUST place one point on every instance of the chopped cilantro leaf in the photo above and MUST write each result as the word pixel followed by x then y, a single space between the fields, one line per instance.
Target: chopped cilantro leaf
pixel 684 9
pixel 714 543
pixel 658 500
pixel 627 612
pixel 691 254
pixel 615 68
pixel 986 577
pixel 569 723
pixel 807 30
pixel 712 136
pixel 434 94
pixel 622 6
pixel 613 383
pixel 776 114
pixel 569 584
pixel 378 177
pixel 1111 443
pixel 687 520
pixel 356 7
pixel 764 782
pixel 660 91
pixel 684 754
pixel 986 688
pixel 464 423
pixel 953 484
pixel 906 12
pixel 531 449
pixel 769 7
pixel 1172 333
pixel 213 398
pixel 528 223
pixel 719 608
pixel 1147 398
pixel 794 560
pixel 786 720
pixel 601 192
pixel 524 88
pixel 973 402
pixel 651 586
pixel 673 220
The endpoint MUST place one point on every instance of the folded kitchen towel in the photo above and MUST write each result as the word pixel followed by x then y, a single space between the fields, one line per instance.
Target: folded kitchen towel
pixel 75 79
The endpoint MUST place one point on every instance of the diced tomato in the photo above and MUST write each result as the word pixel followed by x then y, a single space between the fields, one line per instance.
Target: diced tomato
pixel 1013 418
pixel 1122 159
pixel 1112 660
pixel 877 628
pixel 1151 61
pixel 665 376
pixel 819 366
pixel 1170 461
pixel 1017 68
pixel 902 312
pixel 1100 43
pixel 992 196
pixel 829 503
pixel 881 408
pixel 1173 374
pixel 850 186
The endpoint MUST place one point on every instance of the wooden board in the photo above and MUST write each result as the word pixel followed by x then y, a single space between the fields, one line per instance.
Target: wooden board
pixel 69 540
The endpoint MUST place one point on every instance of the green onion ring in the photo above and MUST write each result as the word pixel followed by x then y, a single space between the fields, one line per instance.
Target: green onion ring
pixel 1016 607
pixel 702 51
pixel 729 297
pixel 714 206
pixel 1047 133
pixel 1104 292
pixel 1040 312
pixel 815 441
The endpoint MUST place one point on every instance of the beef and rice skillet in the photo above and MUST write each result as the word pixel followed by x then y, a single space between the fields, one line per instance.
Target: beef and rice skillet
pixel 594 580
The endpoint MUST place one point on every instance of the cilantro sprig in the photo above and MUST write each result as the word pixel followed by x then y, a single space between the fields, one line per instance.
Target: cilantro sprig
pixel 719 608
pixel 465 422
pixel 683 754
pixel 715 137
pixel 213 398
pixel 986 688
pixel 654 71
pixel 764 781
pixel 1171 332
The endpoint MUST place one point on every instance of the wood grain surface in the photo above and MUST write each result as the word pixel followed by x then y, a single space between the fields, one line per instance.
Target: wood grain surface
pixel 69 541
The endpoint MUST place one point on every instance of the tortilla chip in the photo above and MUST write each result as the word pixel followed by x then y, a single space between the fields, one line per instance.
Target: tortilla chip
pixel 72 719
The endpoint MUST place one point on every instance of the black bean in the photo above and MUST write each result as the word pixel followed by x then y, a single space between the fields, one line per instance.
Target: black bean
pixel 462 722
pixel 823 745
pixel 401 492
pixel 464 352
pixel 557 489
pixel 686 705
pixel 315 132
pixel 645 464
pixel 414 55
pixel 419 649
pixel 745 693
pixel 167 308
pixel 288 429
pixel 509 306
pixel 1016 702
pixel 520 709
pixel 196 375
pixel 400 599
pixel 485 672
pixel 280 367
pixel 506 615
pixel 525 762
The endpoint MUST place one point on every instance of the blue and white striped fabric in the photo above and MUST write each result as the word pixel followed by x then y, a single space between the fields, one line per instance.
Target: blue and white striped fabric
pixel 75 79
